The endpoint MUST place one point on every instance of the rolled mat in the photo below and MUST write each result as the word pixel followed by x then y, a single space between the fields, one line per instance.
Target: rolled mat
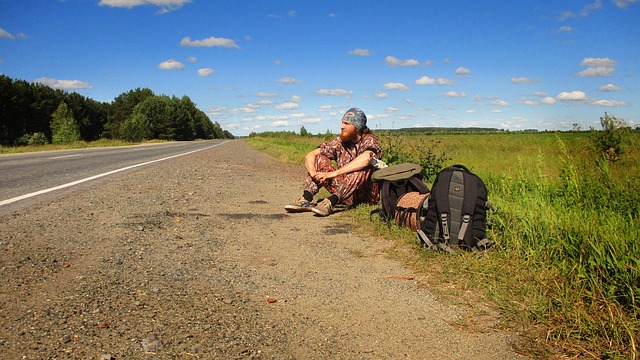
pixel 409 210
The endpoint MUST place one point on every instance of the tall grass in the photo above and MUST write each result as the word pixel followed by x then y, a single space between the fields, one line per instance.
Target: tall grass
pixel 565 266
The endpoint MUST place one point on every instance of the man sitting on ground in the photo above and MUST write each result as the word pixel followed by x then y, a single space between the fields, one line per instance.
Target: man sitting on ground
pixel 350 182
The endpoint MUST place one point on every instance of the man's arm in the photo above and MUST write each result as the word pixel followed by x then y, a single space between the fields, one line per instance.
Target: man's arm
pixel 309 162
pixel 359 163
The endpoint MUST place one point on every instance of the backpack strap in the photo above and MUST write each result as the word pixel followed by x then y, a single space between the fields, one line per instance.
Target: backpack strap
pixel 419 185
pixel 386 210
pixel 468 207
pixel 442 199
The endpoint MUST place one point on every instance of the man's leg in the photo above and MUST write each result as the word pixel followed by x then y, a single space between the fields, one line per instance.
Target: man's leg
pixel 349 189
pixel 311 187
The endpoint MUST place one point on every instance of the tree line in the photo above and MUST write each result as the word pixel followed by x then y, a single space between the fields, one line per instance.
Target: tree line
pixel 32 113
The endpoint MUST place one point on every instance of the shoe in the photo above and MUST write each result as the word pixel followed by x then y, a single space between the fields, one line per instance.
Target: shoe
pixel 324 208
pixel 299 205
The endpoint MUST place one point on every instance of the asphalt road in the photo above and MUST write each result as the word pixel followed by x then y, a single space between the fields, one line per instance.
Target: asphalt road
pixel 26 177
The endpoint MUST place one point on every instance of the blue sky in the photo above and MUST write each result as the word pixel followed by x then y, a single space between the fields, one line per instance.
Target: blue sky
pixel 260 65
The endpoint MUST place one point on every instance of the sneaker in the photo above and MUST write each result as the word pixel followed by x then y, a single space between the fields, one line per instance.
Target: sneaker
pixel 299 205
pixel 324 208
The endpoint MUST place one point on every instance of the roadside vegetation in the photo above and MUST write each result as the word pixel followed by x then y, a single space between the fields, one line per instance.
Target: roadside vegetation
pixel 34 115
pixel 564 272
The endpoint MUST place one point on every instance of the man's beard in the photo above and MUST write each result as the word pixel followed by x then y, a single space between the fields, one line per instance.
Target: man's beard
pixel 348 136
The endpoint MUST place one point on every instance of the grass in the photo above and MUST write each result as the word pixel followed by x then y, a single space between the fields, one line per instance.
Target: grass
pixel 564 271
pixel 75 145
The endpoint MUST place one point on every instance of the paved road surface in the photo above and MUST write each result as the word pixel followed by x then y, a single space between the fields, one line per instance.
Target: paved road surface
pixel 25 176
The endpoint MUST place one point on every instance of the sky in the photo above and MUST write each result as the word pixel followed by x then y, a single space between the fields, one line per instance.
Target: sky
pixel 279 65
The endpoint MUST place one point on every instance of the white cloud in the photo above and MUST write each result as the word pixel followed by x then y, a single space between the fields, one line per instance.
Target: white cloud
pixel 242 110
pixel 587 9
pixel 566 15
pixel 192 59
pixel 425 80
pixel 522 80
pixel 360 52
pixel 548 100
pixel 609 87
pixel 454 94
pixel 264 94
pixel 288 80
pixel 205 71
pixel 6 35
pixel 63 84
pixel 496 111
pixel 171 65
pixel 598 67
pixel 529 102
pixel 295 98
pixel 288 106
pixel 280 123
pixel 267 118
pixel 571 96
pixel 334 92
pixel 396 86
pixel 380 95
pixel 393 61
pixel 500 103
pixel 166 5
pixel 462 71
pixel 471 111
pixel 208 42
pixel 607 103
pixel 623 4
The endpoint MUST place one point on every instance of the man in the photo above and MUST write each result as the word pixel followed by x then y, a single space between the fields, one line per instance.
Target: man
pixel 350 182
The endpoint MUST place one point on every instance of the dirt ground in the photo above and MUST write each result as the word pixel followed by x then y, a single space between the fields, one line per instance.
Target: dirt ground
pixel 195 258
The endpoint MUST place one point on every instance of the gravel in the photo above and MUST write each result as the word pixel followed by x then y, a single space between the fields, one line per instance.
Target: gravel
pixel 196 258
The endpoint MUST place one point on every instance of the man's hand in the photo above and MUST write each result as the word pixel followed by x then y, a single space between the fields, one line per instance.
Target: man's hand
pixel 323 176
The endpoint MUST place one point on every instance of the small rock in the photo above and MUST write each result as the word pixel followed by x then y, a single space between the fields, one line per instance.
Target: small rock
pixel 151 343
pixel 106 357
pixel 271 300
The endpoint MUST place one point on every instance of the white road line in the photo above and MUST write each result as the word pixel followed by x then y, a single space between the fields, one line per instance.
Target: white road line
pixel 63 157
pixel 26 196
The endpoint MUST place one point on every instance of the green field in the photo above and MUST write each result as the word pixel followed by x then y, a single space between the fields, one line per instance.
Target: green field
pixel 564 270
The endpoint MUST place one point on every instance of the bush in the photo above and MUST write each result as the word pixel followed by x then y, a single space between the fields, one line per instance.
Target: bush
pixel 420 150
pixel 609 140
pixel 38 139
pixel 34 139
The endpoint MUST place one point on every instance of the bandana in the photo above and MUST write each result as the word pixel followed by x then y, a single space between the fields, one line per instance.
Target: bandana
pixel 356 117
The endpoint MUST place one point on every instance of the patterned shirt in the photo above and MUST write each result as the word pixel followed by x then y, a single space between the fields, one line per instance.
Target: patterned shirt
pixel 343 153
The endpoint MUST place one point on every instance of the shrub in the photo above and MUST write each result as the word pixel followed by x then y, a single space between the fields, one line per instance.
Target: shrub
pixel 609 140
pixel 64 128
pixel 38 139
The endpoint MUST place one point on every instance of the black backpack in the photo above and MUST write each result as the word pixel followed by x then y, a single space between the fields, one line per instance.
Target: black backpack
pixel 457 212
pixel 395 181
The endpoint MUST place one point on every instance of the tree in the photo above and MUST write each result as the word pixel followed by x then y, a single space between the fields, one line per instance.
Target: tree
pixel 136 128
pixel 64 128
pixel 122 109
pixel 304 132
